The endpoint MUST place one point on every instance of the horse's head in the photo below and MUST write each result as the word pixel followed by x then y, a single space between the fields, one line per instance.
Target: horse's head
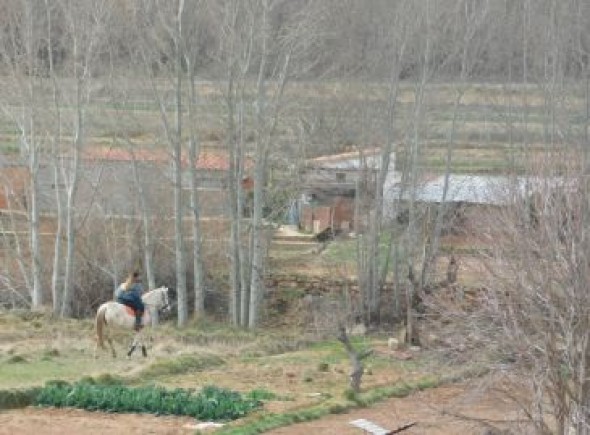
pixel 165 299
pixel 158 298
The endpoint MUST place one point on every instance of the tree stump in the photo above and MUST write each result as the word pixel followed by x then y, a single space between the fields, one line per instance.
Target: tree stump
pixel 356 358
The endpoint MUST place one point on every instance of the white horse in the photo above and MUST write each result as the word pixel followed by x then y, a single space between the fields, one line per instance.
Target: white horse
pixel 113 313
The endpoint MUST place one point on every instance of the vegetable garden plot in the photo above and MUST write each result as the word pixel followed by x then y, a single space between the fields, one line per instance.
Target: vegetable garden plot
pixel 210 403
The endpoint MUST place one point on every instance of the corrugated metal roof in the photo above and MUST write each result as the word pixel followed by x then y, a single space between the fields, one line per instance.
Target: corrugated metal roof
pixel 479 189
pixel 475 189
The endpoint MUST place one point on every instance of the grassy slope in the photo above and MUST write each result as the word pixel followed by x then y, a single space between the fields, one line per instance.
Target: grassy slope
pixel 300 373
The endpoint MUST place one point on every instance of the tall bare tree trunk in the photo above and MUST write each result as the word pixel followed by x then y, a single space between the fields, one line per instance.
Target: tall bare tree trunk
pixel 413 236
pixel 56 273
pixel 72 188
pixel 194 148
pixel 257 236
pixel 234 209
pixel 146 212
pixel 239 26
pixel 468 47
pixel 24 110
pixel 374 261
pixel 33 155
pixel 181 290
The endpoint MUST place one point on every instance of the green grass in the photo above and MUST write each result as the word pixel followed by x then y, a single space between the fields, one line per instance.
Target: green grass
pixel 28 363
pixel 344 252
pixel 341 251
pixel 266 422
pixel 357 342
pixel 35 371
pixel 179 365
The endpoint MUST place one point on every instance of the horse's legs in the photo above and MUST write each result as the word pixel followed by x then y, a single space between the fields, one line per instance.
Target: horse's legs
pixel 138 340
pixel 112 347
pixel 108 339
pixel 147 339
pixel 133 345
pixel 110 342
pixel 142 342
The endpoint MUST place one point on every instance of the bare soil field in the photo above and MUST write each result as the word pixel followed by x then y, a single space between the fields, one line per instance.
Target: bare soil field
pixel 447 410
pixel 32 421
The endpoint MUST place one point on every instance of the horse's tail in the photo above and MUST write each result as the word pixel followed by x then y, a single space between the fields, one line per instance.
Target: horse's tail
pixel 100 322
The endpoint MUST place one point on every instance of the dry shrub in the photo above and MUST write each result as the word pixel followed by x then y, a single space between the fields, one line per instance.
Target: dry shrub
pixel 531 317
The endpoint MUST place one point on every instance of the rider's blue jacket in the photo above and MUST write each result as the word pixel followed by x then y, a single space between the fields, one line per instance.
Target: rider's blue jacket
pixel 131 296
pixel 136 290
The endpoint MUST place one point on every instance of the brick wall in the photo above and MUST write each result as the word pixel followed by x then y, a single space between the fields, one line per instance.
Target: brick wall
pixel 316 218
pixel 339 216
pixel 13 181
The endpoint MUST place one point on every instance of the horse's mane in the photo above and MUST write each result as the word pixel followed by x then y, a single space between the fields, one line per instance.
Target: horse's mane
pixel 161 288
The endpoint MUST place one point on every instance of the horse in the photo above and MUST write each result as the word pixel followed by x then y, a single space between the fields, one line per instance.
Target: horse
pixel 114 313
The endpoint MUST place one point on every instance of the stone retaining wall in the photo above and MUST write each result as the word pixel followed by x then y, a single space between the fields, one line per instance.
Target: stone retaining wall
pixel 315 285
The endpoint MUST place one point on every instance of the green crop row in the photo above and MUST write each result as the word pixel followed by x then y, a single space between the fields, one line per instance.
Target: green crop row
pixel 210 403
pixel 12 399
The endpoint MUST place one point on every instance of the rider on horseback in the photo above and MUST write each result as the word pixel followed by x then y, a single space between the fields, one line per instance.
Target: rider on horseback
pixel 129 293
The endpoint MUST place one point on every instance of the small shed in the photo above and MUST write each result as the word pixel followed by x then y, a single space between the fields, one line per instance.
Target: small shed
pixel 466 197
pixel 333 182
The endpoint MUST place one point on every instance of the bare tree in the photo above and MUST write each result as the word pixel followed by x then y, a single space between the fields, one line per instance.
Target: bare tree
pixel 530 319
pixel 237 49
pixel 159 48
pixel 537 293
pixel 356 360
pixel 190 45
pixel 168 39
pixel 254 47
pixel 535 301
pixel 55 135
pixel 84 26
pixel 146 217
pixel 23 107
pixel 370 275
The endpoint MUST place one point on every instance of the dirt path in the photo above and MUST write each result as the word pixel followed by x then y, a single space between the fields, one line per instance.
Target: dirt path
pixel 33 421
pixel 435 411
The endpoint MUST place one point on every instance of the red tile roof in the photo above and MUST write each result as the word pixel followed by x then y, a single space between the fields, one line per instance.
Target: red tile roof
pixel 209 160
